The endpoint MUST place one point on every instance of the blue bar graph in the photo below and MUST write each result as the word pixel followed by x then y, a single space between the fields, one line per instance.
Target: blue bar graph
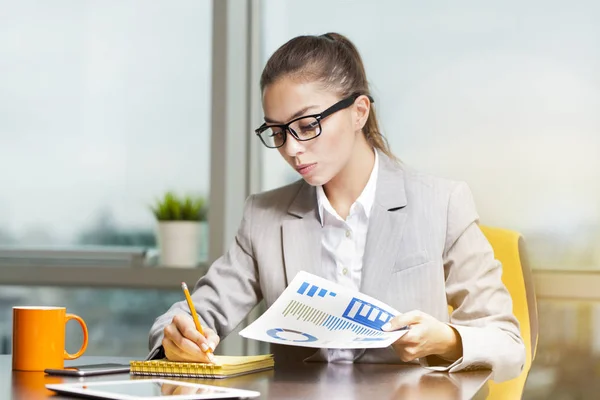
pixel 303 288
pixel 301 311
pixel 338 324
pixel 359 317
pixel 366 314
pixel 313 289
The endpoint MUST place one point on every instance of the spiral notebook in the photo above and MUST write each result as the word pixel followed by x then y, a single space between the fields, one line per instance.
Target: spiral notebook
pixel 225 367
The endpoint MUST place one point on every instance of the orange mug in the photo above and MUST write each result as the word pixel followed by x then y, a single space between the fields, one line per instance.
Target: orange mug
pixel 38 340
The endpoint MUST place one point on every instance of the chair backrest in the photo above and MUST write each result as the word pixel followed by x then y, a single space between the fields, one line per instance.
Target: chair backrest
pixel 516 275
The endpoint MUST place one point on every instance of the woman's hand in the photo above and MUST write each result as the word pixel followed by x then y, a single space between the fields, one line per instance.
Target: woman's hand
pixel 426 336
pixel 183 342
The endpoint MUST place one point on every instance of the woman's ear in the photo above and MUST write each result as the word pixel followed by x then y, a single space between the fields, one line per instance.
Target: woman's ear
pixel 362 106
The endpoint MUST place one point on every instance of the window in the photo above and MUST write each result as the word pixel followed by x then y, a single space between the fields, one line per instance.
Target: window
pixel 118 320
pixel 503 96
pixel 104 106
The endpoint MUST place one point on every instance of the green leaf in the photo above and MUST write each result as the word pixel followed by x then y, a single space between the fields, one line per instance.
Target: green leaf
pixel 174 208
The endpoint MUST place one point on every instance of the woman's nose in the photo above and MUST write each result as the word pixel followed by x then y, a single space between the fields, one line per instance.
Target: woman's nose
pixel 292 147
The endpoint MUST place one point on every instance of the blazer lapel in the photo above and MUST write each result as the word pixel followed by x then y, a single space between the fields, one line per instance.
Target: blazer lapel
pixel 386 226
pixel 302 235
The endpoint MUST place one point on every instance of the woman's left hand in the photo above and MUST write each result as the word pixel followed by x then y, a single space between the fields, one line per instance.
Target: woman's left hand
pixel 425 336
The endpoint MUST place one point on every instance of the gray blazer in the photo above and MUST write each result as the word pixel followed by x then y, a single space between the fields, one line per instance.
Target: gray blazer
pixel 424 251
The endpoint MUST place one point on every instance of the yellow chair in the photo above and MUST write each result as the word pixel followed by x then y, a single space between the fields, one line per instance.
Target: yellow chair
pixel 516 275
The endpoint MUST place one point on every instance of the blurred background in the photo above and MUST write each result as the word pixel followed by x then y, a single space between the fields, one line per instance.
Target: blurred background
pixel 107 104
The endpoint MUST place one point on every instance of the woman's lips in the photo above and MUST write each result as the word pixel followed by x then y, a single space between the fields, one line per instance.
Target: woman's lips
pixel 304 169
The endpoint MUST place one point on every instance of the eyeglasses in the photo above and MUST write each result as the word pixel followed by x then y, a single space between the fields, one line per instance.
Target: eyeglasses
pixel 303 128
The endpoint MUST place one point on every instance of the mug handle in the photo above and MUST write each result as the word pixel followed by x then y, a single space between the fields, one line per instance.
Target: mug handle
pixel 77 318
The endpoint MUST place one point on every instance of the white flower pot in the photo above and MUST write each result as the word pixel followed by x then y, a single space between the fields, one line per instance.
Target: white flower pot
pixel 179 243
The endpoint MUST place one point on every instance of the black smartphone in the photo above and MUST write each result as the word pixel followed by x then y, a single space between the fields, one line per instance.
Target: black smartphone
pixel 90 370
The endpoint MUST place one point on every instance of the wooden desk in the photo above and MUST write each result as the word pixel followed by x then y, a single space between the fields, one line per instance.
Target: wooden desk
pixel 292 381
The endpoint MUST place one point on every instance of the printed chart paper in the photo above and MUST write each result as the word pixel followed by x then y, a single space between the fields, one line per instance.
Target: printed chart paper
pixel 315 312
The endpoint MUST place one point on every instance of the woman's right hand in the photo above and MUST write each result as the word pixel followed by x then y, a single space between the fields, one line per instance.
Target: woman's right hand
pixel 183 342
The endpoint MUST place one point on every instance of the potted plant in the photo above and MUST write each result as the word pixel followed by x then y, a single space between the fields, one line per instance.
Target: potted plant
pixel 178 231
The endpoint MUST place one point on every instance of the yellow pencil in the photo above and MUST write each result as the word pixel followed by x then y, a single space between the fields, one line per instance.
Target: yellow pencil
pixel 188 298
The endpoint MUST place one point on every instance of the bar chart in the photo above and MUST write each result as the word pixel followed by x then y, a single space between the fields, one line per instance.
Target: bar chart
pixel 365 313
pixel 313 290
pixel 320 318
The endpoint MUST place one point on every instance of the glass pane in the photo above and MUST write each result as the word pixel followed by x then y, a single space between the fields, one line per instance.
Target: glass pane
pixel 118 320
pixel 502 95
pixel 568 352
pixel 104 106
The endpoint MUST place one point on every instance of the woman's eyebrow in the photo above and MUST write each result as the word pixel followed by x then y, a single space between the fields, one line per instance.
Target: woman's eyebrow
pixel 296 115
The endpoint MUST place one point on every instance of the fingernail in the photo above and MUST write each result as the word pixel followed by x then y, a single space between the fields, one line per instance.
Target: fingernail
pixel 212 345
pixel 204 347
pixel 386 327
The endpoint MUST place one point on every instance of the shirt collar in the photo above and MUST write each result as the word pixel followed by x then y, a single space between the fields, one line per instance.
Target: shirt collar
pixel 366 198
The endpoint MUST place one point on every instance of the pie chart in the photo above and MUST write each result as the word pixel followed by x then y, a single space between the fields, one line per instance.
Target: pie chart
pixel 290 335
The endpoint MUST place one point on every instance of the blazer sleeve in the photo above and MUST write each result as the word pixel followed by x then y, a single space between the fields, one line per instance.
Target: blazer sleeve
pixel 225 295
pixel 482 306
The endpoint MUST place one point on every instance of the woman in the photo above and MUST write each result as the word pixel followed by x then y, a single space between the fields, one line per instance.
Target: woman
pixel 359 218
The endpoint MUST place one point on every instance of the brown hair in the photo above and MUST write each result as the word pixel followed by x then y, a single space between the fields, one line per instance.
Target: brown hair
pixel 334 61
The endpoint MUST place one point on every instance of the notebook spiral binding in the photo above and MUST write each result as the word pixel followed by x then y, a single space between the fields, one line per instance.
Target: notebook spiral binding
pixel 180 369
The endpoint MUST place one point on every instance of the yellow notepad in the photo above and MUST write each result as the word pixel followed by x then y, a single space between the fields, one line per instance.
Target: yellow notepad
pixel 225 367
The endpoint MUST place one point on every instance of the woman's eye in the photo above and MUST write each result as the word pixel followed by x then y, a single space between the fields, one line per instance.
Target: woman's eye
pixel 308 127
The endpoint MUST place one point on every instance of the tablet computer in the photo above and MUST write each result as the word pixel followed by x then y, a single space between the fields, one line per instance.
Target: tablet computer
pixel 149 389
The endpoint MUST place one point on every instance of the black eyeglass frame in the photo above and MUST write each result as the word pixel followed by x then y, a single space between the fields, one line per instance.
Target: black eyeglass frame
pixel 340 105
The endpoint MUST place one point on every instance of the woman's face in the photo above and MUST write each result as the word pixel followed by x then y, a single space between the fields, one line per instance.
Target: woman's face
pixel 320 159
